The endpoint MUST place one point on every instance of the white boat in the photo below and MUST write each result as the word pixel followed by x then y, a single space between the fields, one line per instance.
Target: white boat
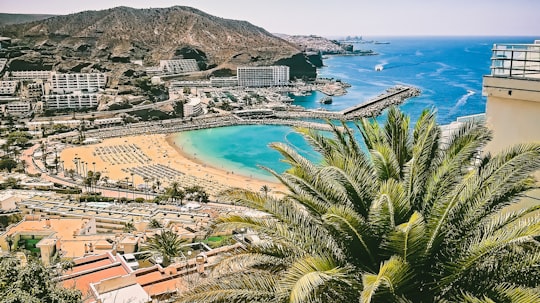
pixel 379 68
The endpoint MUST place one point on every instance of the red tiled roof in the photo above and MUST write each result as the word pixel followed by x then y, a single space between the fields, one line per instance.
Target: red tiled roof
pixel 82 282
pixel 165 286
pixel 88 266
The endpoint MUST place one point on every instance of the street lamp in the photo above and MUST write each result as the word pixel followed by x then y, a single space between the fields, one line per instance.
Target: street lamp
pixel 94 177
pixel 127 192
pixel 133 186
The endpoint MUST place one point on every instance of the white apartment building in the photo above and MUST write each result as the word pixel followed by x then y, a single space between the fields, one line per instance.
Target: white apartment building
pixel 35 90
pixel 224 81
pixel 178 66
pixel 30 74
pixel 39 125
pixel 78 100
pixel 65 83
pixel 259 76
pixel 18 108
pixel 108 121
pixel 193 107
pixel 8 88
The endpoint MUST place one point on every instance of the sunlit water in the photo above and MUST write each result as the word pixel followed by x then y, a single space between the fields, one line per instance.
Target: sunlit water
pixel 448 70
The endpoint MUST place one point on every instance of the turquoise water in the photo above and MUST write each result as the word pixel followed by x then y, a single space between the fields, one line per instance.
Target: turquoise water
pixel 448 70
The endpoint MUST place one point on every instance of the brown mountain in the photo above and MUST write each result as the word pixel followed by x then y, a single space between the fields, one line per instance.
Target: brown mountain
pixel 122 34
pixel 6 18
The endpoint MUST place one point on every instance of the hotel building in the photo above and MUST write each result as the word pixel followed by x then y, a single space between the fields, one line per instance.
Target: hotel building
pixel 76 100
pixel 35 90
pixel 18 108
pixel 260 76
pixel 193 108
pixel 8 88
pixel 224 81
pixel 30 74
pixel 178 66
pixel 65 83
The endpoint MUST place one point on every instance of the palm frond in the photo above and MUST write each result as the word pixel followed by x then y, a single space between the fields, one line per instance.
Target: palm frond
pixel 497 183
pixel 390 206
pixel 426 137
pixel 408 239
pixel 458 149
pixel 247 260
pixel 392 274
pixel 385 162
pixel 517 294
pixel 256 286
pixel 397 134
pixel 353 231
pixel 485 245
pixel 307 276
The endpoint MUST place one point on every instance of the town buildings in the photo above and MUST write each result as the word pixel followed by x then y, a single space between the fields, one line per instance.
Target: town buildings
pixel 74 100
pixel 30 75
pixel 193 107
pixel 8 88
pixel 178 66
pixel 260 76
pixel 66 83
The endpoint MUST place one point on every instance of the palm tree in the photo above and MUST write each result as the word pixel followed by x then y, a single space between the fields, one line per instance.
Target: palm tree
pixel 167 244
pixel 418 217
pixel 265 189
pixel 155 224
pixel 128 227
pixel 174 192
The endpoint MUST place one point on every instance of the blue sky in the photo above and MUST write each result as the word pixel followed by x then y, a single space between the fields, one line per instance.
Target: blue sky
pixel 340 17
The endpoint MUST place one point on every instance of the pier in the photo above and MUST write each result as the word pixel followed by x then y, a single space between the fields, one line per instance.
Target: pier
pixel 392 96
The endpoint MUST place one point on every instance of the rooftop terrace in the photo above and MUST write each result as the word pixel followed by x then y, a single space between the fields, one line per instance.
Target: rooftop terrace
pixel 516 60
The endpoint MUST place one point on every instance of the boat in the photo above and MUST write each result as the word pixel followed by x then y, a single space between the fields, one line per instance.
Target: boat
pixel 326 100
pixel 379 68
pixel 286 99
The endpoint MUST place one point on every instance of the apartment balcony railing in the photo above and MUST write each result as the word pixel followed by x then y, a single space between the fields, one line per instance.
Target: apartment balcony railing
pixel 516 60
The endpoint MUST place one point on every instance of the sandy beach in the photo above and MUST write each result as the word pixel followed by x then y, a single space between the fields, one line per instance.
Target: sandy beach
pixel 158 158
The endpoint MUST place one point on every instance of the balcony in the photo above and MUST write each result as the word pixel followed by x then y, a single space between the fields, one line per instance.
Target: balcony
pixel 516 61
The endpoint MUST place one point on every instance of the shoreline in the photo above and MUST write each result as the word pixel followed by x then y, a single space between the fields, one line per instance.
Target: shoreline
pixel 158 151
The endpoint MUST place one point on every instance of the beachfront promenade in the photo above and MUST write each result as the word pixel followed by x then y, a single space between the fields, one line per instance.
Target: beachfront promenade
pixel 147 156
pixel 370 108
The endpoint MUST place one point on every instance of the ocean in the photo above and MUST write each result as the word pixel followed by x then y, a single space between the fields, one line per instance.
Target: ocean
pixel 448 70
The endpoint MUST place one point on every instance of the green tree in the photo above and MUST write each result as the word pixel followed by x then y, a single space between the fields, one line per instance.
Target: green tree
pixel 197 193
pixel 7 164
pixel 265 189
pixel 175 193
pixel 31 283
pixel 155 224
pixel 18 138
pixel 166 244
pixel 415 218
pixel 128 227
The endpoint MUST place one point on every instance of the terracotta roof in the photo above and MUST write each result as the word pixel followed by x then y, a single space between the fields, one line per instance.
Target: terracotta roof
pixel 150 277
pixel 89 266
pixel 166 286
pixel 82 282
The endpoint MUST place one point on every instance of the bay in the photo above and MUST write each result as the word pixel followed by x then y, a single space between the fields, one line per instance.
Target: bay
pixel 448 70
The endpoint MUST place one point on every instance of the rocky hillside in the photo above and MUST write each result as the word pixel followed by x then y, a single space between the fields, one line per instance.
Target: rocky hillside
pixel 6 19
pixel 123 34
